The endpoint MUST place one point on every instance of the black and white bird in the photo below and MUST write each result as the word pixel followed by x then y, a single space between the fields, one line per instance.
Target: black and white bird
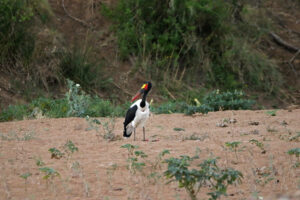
pixel 138 113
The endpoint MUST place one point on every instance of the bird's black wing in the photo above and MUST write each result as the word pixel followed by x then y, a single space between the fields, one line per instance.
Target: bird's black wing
pixel 130 115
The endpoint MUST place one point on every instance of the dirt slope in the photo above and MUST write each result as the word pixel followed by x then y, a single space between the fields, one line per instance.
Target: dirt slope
pixel 99 169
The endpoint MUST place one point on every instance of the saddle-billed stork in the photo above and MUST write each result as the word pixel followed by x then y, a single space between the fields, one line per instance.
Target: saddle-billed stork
pixel 138 113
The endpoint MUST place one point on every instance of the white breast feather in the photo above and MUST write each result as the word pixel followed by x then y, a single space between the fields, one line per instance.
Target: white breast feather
pixel 141 115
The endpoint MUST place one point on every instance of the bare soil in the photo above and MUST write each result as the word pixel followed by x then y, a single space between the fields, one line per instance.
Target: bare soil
pixel 99 169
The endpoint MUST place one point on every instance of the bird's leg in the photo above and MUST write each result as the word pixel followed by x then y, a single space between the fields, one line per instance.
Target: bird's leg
pixel 144 134
pixel 134 134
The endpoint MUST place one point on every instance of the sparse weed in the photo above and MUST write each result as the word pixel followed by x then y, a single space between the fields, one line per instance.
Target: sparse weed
pixel 258 144
pixel 296 152
pixel 157 164
pixel 25 176
pixel 266 174
pixel 14 136
pixel 295 138
pixel 233 146
pixel 129 148
pixel 50 173
pixel 272 129
pixel 9 136
pixel 76 168
pixel 178 129
pixel 39 162
pixel 154 175
pixel 107 127
pixel 55 153
pixel 28 136
pixel 196 136
pixel 70 147
pixel 110 172
pixel 133 162
pixel 271 112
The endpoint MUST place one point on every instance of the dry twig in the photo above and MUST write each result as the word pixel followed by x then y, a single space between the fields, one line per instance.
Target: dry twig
pixel 74 18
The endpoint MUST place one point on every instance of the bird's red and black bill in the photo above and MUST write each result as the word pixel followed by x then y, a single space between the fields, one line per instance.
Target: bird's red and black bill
pixel 140 92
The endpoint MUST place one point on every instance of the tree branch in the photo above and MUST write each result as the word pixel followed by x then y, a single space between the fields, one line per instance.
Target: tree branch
pixel 283 43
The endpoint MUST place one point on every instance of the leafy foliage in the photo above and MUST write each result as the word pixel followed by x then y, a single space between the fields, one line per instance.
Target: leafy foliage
pixel 205 38
pixel 55 153
pixel 78 101
pixel 133 158
pixel 25 175
pixel 15 39
pixel 271 112
pixel 49 172
pixel 213 101
pixel 295 151
pixel 107 125
pixel 70 147
pixel 193 179
pixel 79 65
pixel 258 144
pixel 235 100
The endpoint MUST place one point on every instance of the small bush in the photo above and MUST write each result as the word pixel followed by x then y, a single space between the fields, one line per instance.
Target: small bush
pixel 77 100
pixel 213 101
pixel 77 65
pixel 193 179
pixel 235 100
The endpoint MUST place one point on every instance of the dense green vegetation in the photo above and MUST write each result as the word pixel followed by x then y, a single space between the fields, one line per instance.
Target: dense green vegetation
pixel 213 101
pixel 75 104
pixel 79 104
pixel 187 47
pixel 193 40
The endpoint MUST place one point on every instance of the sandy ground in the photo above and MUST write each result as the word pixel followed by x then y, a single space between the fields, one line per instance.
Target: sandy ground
pixel 99 169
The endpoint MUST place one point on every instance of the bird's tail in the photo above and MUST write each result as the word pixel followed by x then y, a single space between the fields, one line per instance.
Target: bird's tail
pixel 128 130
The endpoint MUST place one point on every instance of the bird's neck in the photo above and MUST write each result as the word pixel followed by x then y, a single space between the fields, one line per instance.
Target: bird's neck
pixel 143 102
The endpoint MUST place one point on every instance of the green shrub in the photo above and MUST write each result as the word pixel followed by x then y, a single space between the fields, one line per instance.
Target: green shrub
pixel 14 112
pixel 193 179
pixel 214 101
pixel 55 108
pixel 168 30
pixel 77 100
pixel 235 100
pixel 206 39
pixel 81 66
pixel 15 23
pixel 75 104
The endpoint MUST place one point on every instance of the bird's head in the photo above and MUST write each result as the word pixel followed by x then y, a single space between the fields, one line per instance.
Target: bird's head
pixel 144 90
